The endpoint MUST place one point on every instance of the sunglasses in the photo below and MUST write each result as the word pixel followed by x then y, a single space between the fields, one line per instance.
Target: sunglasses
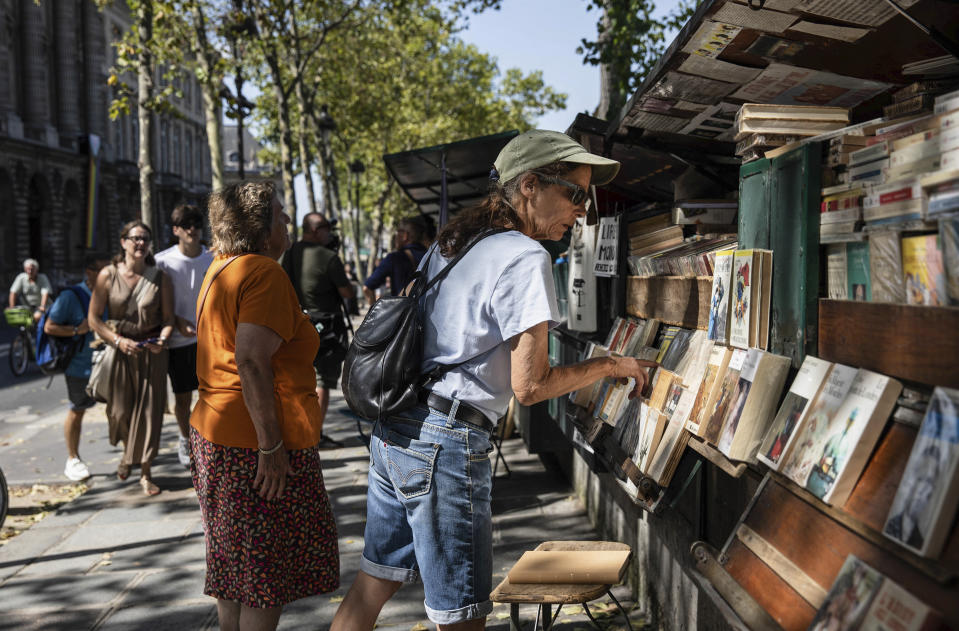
pixel 137 239
pixel 187 225
pixel 576 193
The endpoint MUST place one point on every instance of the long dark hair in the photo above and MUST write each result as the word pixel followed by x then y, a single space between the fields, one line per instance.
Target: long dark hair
pixel 127 227
pixel 496 211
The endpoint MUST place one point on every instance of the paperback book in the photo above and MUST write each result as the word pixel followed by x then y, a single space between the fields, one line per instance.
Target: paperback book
pixel 760 406
pixel 716 412
pixel 851 435
pixel 857 274
pixel 719 302
pixel 925 504
pixel 849 598
pixel 746 375
pixel 805 388
pixel 716 367
pixel 923 271
pixel 885 267
pixel 895 609
pixel 811 433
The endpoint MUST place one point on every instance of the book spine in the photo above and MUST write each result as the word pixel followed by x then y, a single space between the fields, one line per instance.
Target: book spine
pixel 875 152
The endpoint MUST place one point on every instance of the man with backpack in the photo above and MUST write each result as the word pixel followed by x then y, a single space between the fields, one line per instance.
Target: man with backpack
pixel 67 321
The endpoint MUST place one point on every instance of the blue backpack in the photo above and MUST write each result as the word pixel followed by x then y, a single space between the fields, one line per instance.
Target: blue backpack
pixel 54 353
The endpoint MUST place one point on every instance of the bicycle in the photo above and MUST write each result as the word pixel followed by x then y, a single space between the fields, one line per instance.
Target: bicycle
pixel 23 346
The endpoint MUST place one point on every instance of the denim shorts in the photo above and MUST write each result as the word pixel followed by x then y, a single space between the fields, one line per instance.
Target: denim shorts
pixel 428 511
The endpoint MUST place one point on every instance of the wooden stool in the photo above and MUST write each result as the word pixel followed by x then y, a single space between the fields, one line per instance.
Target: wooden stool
pixel 547 594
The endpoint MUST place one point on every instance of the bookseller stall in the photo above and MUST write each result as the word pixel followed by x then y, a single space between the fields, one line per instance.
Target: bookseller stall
pixel 783 239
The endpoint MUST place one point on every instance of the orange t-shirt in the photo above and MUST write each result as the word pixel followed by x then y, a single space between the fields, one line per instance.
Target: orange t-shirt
pixel 254 289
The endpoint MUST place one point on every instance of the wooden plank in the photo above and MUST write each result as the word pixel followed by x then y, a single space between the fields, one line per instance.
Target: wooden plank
pixel 716 457
pixel 671 299
pixel 872 497
pixel 747 608
pixel 916 343
pixel 818 541
pixel 773 594
pixel 810 591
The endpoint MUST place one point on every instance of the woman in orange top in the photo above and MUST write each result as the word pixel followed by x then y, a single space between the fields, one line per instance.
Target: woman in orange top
pixel 270 534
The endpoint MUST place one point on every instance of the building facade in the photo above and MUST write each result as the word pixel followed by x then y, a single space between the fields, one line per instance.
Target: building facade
pixel 55 59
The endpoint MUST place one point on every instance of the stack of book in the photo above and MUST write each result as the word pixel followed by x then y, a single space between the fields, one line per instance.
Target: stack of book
pixel 783 121
pixel 718 214
pixel 653 234
pixel 917 97
pixel 757 146
pixel 840 213
pixel 695 257
pixel 840 148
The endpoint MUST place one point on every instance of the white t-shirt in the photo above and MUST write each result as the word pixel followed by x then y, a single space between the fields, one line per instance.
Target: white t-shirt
pixel 187 275
pixel 502 287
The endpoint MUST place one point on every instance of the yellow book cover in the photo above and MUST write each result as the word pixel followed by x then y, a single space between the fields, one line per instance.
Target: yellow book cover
pixel 923 270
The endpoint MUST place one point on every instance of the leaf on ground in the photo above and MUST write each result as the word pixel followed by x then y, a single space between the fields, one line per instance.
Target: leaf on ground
pixel 336 599
pixel 419 626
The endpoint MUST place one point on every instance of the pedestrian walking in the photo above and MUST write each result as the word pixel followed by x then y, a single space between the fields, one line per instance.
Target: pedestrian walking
pixel 428 502
pixel 68 318
pixel 31 289
pixel 398 266
pixel 139 299
pixel 270 533
pixel 318 276
pixel 186 264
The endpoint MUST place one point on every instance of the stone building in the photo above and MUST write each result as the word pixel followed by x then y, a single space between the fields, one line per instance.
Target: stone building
pixel 55 58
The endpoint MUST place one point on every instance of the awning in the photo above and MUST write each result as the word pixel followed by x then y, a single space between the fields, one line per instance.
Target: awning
pixel 446 178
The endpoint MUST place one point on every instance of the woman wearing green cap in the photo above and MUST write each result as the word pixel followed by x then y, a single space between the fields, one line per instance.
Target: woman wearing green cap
pixel 428 503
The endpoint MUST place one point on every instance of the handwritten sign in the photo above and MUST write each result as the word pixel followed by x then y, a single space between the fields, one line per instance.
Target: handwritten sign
pixel 607 247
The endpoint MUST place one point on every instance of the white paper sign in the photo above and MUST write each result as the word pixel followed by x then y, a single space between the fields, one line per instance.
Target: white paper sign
pixel 582 281
pixel 607 247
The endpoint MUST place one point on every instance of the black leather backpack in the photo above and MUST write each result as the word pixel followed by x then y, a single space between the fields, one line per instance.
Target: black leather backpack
pixel 381 372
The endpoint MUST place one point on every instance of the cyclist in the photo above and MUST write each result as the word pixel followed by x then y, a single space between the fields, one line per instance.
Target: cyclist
pixel 31 289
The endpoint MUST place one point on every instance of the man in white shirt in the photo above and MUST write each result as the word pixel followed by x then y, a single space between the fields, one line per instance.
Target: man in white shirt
pixel 31 289
pixel 186 263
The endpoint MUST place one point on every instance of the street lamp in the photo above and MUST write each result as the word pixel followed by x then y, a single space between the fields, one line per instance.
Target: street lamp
pixel 327 126
pixel 356 170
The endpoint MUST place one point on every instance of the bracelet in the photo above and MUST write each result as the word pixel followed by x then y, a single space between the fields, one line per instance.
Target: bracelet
pixel 116 341
pixel 275 448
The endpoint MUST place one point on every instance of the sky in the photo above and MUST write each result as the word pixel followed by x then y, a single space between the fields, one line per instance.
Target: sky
pixel 537 35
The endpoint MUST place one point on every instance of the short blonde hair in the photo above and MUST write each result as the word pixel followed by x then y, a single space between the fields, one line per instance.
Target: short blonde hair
pixel 241 216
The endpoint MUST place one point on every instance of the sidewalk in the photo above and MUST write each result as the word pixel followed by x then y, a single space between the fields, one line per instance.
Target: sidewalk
pixel 115 559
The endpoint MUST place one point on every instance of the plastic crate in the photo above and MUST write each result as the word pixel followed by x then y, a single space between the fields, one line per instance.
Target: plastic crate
pixel 18 316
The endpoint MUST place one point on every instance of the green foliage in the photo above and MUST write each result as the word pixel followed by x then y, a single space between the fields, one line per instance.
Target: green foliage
pixel 630 40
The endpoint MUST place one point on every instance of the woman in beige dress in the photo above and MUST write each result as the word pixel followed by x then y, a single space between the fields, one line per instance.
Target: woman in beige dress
pixel 139 302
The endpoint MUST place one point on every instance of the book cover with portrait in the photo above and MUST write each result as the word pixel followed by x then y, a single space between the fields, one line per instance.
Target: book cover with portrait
pixel 741 299
pixel 923 271
pixel 923 509
pixel 805 388
pixel 718 330
pixel 717 410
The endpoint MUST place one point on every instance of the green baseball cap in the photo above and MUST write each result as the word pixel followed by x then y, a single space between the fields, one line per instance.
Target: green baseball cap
pixel 539 147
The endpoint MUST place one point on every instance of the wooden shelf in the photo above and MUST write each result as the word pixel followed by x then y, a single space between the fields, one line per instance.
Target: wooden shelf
pixel 710 453
pixel 671 299
pixel 911 342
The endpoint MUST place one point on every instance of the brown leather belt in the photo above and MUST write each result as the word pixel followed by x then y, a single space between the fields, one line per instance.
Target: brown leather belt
pixel 465 412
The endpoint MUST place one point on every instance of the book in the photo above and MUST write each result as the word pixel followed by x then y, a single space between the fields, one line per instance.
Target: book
pixel 870 154
pixel 647 224
pixel 924 506
pixel 716 411
pixel 599 567
pixel 885 267
pixel 837 285
pixel 654 425
pixel 792 112
pixel 807 385
pixel 738 400
pixel 786 127
pixel 718 329
pixel 582 396
pixel 850 596
pixel 810 435
pixel 851 435
pixel 949 239
pixel 760 407
pixel 658 236
pixel 895 609
pixel 716 367
pixel 857 273
pixel 762 297
pixel 662 463
pixel 742 308
pixel 923 272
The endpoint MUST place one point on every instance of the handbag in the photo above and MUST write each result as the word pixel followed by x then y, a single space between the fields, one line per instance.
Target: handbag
pixel 101 373
pixel 382 371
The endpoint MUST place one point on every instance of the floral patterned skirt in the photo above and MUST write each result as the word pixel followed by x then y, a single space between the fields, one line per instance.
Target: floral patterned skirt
pixel 264 553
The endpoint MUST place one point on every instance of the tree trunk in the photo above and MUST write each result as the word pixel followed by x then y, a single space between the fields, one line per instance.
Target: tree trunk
pixel 286 153
pixel 144 115
pixel 305 160
pixel 214 132
pixel 378 222
pixel 609 95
